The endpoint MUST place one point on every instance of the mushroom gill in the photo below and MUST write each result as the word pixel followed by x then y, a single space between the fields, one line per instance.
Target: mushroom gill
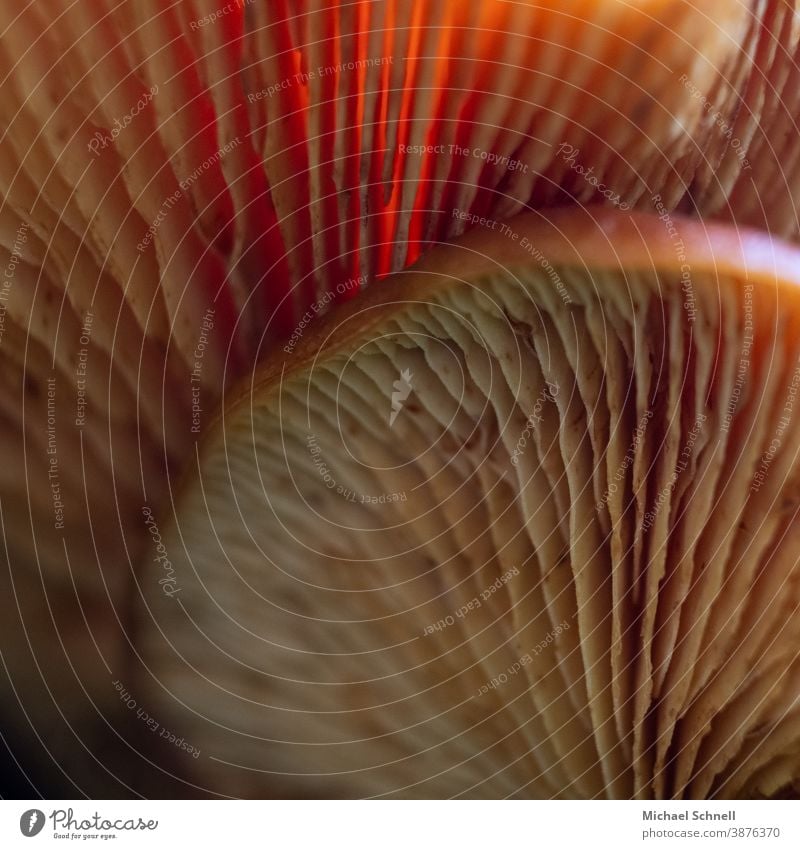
pixel 520 521
pixel 190 180
pixel 182 184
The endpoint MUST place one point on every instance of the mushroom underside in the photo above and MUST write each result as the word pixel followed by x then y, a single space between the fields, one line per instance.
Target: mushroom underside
pixel 527 531
pixel 179 186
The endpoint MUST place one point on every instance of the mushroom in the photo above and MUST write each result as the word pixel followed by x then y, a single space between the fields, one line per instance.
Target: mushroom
pixel 521 520
pixel 182 185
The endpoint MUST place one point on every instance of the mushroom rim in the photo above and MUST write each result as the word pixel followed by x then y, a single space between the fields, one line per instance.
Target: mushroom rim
pixel 595 237
pixel 624 240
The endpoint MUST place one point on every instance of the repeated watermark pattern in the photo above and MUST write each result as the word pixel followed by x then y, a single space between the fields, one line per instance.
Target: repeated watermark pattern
pixel 319 307
pixel 486 156
pixel 168 582
pixel 101 140
pixel 505 229
pixel 302 78
pixel 10 271
pixel 627 460
pixel 152 723
pixel 743 366
pixel 81 367
pixel 680 254
pixel 195 381
pixel 345 492
pixel 780 431
pixel 547 395
pixel 719 120
pixel 524 660
pixel 53 475
pixel 650 516
pixel 223 11
pixel 472 604
pixel 569 153
pixel 185 184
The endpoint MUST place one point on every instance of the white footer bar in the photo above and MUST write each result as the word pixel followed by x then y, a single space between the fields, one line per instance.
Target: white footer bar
pixel 401 825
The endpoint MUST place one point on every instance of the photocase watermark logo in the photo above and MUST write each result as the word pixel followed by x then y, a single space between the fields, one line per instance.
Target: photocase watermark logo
pixel 31 822
pixel 402 389
pixel 67 827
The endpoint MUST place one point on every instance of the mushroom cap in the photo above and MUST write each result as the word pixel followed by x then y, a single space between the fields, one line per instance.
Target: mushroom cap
pixel 255 162
pixel 180 186
pixel 520 521
pixel 251 162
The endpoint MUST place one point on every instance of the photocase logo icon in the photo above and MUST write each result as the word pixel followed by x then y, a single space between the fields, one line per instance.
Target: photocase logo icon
pixel 31 822
pixel 402 387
